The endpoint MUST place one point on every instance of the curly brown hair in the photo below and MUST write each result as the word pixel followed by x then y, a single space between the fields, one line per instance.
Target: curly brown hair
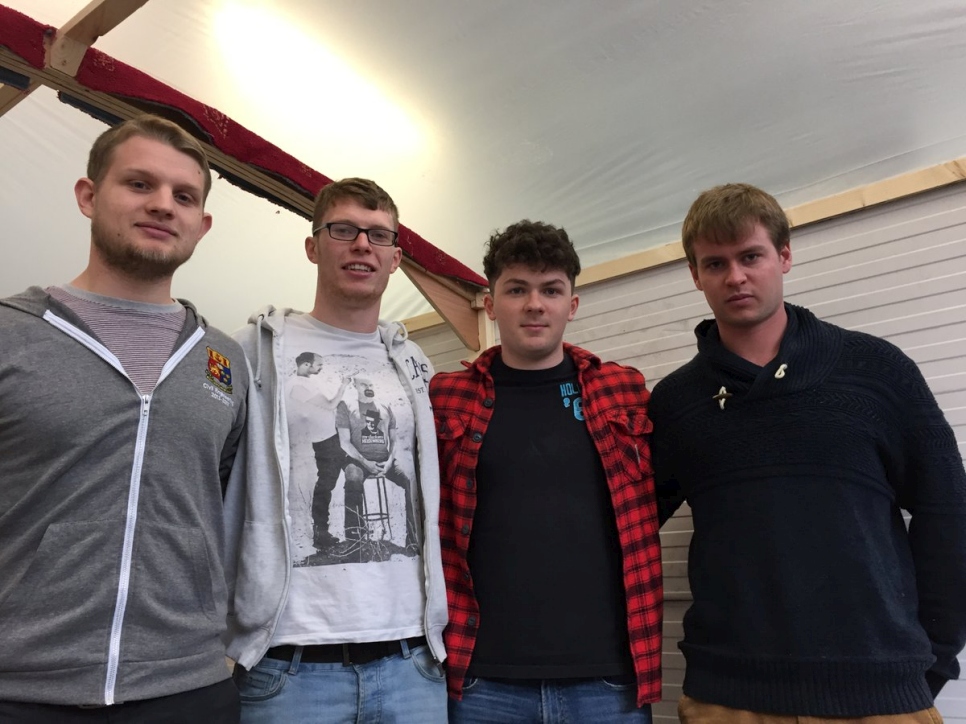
pixel 533 244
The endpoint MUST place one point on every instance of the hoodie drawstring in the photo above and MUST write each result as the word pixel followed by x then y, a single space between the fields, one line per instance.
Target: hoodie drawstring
pixel 258 350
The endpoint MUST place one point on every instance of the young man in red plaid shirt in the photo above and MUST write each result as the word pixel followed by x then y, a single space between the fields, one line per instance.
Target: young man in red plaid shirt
pixel 548 517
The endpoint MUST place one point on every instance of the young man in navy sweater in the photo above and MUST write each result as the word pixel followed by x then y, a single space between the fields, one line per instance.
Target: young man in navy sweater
pixel 797 444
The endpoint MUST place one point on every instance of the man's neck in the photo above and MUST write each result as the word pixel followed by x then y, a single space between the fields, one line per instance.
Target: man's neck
pixel 522 362
pixel 122 287
pixel 363 319
pixel 758 344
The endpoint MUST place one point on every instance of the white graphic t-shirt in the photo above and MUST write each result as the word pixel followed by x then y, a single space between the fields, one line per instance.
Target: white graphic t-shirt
pixel 354 509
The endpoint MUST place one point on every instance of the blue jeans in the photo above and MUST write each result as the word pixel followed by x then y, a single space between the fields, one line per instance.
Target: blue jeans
pixel 408 688
pixel 548 701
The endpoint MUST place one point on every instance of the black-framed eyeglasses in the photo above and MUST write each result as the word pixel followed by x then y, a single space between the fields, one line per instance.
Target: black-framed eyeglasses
pixel 341 231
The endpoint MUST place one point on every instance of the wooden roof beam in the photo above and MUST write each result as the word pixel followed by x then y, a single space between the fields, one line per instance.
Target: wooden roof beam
pixel 11 95
pixel 81 31
pixel 453 304
pixel 67 50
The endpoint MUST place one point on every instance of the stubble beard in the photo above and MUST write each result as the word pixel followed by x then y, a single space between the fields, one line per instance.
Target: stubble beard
pixel 133 261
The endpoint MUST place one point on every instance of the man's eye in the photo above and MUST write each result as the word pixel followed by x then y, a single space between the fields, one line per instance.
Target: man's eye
pixel 380 236
pixel 137 185
pixel 552 292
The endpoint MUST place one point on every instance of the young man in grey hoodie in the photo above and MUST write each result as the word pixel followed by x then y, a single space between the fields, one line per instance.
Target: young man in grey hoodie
pixel 120 414
pixel 338 600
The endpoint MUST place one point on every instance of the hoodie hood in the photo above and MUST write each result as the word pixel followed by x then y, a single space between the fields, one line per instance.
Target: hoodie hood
pixel 37 302
pixel 33 300
pixel 393 334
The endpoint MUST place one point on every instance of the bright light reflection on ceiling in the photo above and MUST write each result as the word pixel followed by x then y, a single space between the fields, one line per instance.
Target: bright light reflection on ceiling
pixel 313 88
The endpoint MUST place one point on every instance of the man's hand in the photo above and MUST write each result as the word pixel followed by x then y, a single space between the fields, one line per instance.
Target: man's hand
pixel 380 468
pixel 374 469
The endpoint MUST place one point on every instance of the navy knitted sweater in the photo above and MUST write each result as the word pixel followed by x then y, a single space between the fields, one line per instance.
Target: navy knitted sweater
pixel 810 596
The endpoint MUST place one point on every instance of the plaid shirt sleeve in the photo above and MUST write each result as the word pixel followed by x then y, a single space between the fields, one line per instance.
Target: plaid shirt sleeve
pixel 462 407
pixel 615 406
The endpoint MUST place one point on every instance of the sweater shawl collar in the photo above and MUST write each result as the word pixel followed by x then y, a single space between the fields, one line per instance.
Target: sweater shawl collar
pixel 809 350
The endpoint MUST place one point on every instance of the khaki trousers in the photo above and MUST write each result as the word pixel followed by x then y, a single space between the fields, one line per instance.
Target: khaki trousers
pixel 691 711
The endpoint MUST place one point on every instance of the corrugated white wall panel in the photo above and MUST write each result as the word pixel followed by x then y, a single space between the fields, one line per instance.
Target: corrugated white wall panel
pixel 442 346
pixel 896 271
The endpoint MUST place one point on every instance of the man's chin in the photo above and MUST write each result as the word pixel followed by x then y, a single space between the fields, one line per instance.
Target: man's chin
pixel 144 266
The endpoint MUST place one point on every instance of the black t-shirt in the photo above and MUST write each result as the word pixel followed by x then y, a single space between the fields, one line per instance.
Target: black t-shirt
pixel 544 553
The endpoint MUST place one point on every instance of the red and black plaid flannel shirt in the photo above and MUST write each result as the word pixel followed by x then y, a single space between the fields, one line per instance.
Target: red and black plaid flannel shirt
pixel 615 408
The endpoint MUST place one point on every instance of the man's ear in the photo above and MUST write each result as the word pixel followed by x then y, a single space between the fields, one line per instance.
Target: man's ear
pixel 84 193
pixel 311 250
pixel 694 276
pixel 786 257
pixel 205 225
pixel 574 302
pixel 488 306
pixel 396 259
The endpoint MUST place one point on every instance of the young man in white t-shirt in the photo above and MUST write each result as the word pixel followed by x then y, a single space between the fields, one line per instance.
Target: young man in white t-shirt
pixel 338 597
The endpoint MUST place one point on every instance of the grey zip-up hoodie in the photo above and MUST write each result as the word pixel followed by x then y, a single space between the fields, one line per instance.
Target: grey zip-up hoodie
pixel 111 580
pixel 259 559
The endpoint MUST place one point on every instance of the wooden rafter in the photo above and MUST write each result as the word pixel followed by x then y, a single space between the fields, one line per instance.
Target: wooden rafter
pixel 453 304
pixel 11 96
pixel 453 301
pixel 67 49
pixel 811 212
pixel 81 31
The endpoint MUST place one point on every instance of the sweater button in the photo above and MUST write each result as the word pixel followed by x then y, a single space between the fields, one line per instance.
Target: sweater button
pixel 471 620
pixel 477 437
pixel 488 402
pixel 466 575
pixel 469 483
pixel 465 530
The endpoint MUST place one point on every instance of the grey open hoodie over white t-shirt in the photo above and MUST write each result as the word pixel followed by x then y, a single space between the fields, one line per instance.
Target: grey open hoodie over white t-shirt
pixel 111 535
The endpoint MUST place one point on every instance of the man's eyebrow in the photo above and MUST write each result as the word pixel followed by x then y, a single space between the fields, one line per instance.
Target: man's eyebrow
pixel 525 283
pixel 746 250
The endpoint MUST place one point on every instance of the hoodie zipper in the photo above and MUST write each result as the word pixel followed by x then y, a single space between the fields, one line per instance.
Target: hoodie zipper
pixel 134 488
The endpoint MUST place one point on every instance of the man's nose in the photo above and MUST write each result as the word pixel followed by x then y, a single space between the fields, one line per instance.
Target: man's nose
pixel 535 300
pixel 161 201
pixel 736 274
pixel 361 242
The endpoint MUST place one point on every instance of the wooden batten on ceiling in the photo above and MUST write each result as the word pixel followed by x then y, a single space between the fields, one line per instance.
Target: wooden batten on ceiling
pixel 67 48
pixel 81 31
pixel 879 192
pixel 11 95
pixel 451 299
pixel 453 303
pixel 873 194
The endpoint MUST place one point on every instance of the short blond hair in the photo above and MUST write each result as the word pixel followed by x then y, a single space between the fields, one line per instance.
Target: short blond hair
pixel 368 194
pixel 726 213
pixel 145 126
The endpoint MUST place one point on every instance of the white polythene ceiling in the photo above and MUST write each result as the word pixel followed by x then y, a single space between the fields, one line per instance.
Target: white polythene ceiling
pixel 604 117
